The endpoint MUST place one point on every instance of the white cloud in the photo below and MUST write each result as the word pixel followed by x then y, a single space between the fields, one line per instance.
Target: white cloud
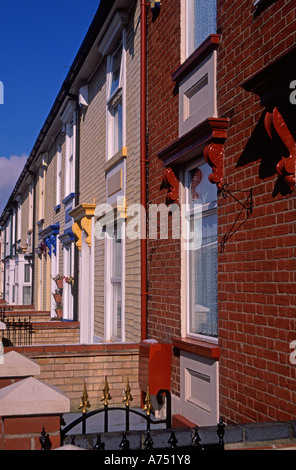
pixel 10 170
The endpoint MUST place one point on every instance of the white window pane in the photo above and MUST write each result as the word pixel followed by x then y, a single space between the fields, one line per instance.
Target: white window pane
pixel 201 191
pixel 118 127
pixel 203 280
pixel 116 65
pixel 117 259
pixel 202 256
pixel 26 295
pixel 116 327
pixel 27 276
pixel 202 21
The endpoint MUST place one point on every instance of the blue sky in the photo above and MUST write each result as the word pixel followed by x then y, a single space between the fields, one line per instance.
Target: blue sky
pixel 39 40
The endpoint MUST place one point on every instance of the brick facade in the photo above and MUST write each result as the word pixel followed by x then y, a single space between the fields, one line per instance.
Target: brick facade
pixel 257 268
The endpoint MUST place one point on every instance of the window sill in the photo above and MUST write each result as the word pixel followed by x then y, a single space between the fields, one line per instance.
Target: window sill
pixel 204 50
pixel 68 198
pixel 190 144
pixel 201 348
pixel 122 153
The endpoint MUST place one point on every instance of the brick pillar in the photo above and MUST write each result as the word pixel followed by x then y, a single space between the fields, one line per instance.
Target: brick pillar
pixel 28 405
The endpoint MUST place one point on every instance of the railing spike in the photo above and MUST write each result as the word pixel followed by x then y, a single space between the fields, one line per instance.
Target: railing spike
pixel 148 405
pixel 44 440
pixel 84 404
pixel 148 443
pixel 221 431
pixel 99 445
pixel 127 397
pixel 173 440
pixel 125 444
pixel 105 395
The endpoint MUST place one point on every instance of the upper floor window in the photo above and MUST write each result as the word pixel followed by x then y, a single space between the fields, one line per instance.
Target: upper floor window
pixel 31 197
pixel 59 176
pixel 41 186
pixel 201 21
pixel 115 99
pixel 69 125
pixel 70 171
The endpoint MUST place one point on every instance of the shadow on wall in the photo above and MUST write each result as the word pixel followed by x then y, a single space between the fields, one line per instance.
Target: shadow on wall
pixel 273 141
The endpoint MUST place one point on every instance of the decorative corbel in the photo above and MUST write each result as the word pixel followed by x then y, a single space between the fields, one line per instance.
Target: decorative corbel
pixel 76 229
pixel 86 226
pixel 213 154
pixel 48 244
pixel 170 179
pixel 43 249
pixel 287 165
pixel 82 215
pixel 53 241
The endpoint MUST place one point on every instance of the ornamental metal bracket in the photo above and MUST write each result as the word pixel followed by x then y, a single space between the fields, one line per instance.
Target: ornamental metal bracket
pixel 246 208
pixel 286 167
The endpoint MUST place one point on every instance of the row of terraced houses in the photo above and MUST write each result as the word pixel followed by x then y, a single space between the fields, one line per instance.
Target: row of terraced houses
pixel 186 107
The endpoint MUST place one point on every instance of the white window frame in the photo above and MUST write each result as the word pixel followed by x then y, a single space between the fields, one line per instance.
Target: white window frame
pixel 59 176
pixel 193 164
pixel 41 192
pixel 69 119
pixel 70 157
pixel 19 218
pixel 187 39
pixel 112 100
pixel 30 207
pixel 111 282
pixel 68 269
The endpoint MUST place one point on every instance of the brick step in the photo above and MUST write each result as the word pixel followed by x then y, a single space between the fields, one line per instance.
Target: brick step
pixel 179 421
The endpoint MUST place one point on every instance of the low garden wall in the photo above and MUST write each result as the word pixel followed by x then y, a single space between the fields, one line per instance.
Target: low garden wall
pixel 67 366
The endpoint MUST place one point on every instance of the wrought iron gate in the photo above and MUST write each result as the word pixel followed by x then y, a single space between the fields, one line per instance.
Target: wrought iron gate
pixel 148 443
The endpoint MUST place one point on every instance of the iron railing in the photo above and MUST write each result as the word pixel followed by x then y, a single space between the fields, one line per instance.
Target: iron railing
pixel 148 443
pixel 127 410
pixel 18 332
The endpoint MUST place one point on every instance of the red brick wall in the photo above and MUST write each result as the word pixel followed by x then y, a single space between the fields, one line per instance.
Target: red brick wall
pixel 163 58
pixel 257 269
pixel 23 432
